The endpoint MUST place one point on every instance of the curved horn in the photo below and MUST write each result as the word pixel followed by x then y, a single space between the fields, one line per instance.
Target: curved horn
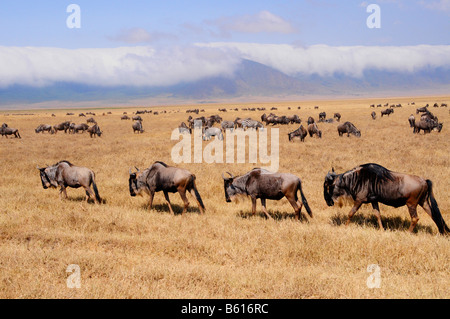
pixel 137 169
pixel 232 176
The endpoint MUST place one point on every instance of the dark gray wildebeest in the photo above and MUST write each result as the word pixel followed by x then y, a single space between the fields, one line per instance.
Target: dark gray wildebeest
pixel 91 120
pixel 125 117
pixel 79 127
pixel 348 128
pixel 310 120
pixel 322 116
pixel 337 116
pixel 184 129
pixel 294 119
pixel 137 127
pixel 427 126
pixel 5 131
pixel 374 115
pixel 44 128
pixel 262 184
pixel 64 174
pixel 374 184
pixel 412 120
pixel 422 109
pixel 137 118
pixel 300 132
pixel 168 179
pixel 95 131
pixel 209 132
pixel 64 126
pixel 387 112
pixel 227 125
pixel 313 129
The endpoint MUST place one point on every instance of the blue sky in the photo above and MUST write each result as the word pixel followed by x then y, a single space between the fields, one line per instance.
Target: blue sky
pixel 108 23
pixel 166 42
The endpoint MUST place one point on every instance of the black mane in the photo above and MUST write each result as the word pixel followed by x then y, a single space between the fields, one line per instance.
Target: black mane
pixel 64 161
pixel 375 171
pixel 162 163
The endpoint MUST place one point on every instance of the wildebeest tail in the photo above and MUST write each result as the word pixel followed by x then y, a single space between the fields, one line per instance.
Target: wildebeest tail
pixel 304 201
pixel 435 212
pixel 94 186
pixel 197 194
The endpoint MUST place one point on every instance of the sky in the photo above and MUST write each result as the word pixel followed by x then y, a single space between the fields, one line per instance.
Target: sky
pixel 140 43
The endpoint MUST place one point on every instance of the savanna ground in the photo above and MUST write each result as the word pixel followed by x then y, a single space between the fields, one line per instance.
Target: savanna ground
pixel 125 250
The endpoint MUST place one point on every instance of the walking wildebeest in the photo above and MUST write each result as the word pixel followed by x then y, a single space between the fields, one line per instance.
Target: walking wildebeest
pixel 65 174
pixel 421 109
pixel 348 128
pixel 160 177
pixel 252 124
pixel 5 131
pixel 300 132
pixel 260 183
pixel 374 115
pixel 94 130
pixel 137 126
pixel 372 183
pixel 387 112
pixel 313 129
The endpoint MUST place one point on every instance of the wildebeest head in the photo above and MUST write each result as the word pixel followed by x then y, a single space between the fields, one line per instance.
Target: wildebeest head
pixel 230 189
pixel 136 183
pixel 47 175
pixel 330 189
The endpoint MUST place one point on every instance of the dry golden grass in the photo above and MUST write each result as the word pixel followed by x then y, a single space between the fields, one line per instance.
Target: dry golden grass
pixel 125 250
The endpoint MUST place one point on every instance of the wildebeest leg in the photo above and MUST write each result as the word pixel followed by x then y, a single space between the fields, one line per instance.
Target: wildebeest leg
pixel 413 213
pixel 354 209
pixel 254 206
pixel 182 192
pixel 263 204
pixel 150 202
pixel 296 207
pixel 89 193
pixel 166 195
pixel 376 210
pixel 61 191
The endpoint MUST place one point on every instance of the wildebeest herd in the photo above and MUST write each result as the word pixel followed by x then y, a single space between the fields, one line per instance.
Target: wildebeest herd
pixel 364 184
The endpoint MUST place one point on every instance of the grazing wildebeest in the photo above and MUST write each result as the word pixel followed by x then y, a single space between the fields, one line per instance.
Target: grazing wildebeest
pixel 310 120
pixel 421 109
pixel 125 117
pixel 161 177
pixel 294 119
pixel 44 128
pixel 227 125
pixel 411 120
pixel 91 120
pixel 426 125
pixel 300 132
pixel 5 131
pixel 137 118
pixel 184 129
pixel 260 183
pixel 209 132
pixel 322 116
pixel 95 130
pixel 348 128
pixel 137 127
pixel 79 127
pixel 64 174
pixel 387 112
pixel 313 129
pixel 337 116
pixel 64 126
pixel 372 183
pixel 374 115
pixel 81 114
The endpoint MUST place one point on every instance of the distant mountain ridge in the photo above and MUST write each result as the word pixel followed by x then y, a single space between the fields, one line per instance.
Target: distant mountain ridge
pixel 250 79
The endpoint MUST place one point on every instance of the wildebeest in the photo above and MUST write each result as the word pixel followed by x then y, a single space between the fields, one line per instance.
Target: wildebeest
pixel 209 132
pixel 44 128
pixel 168 179
pixel 79 127
pixel 294 119
pixel 322 116
pixel 5 131
pixel 64 126
pixel 94 130
pixel 337 116
pixel 300 132
pixel 91 120
pixel 412 120
pixel 125 117
pixel 387 112
pixel 348 128
pixel 137 127
pixel 262 184
pixel 313 129
pixel 374 115
pixel 426 125
pixel 372 183
pixel 227 125
pixel 421 109
pixel 310 120
pixel 251 124
pixel 137 118
pixel 184 129
pixel 64 174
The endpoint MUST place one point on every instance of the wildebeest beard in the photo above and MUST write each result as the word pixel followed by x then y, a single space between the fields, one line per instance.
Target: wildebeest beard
pixel 49 175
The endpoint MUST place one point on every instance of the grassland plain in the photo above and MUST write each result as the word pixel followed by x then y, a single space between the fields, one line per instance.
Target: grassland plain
pixel 125 250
